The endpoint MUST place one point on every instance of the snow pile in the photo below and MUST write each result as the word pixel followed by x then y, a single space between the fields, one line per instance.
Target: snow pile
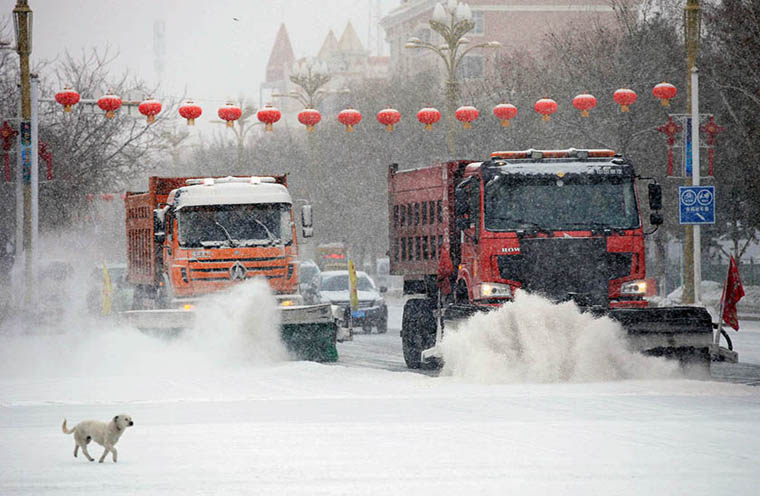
pixel 535 340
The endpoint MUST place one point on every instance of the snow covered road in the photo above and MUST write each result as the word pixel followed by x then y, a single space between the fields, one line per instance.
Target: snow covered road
pixel 208 421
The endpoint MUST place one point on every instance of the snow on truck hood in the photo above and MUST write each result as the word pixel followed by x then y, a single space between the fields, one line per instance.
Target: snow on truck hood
pixel 237 193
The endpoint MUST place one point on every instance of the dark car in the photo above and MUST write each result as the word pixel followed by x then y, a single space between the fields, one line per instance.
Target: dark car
pixel 332 287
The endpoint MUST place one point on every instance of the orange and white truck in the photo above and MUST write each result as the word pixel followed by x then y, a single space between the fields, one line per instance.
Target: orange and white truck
pixel 188 237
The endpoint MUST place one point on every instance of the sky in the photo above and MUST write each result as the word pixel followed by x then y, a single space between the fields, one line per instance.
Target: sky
pixel 214 51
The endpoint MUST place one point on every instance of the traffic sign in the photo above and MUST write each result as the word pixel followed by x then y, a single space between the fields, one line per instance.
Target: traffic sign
pixel 696 204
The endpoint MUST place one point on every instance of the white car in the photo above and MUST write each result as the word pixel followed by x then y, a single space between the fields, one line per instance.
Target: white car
pixel 332 287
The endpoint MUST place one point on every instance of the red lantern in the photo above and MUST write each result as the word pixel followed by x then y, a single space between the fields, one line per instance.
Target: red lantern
pixel 428 116
pixel 625 98
pixel 546 107
pixel 309 118
pixel 584 102
pixel 349 118
pixel 466 114
pixel 150 108
pixel 268 115
pixel 190 111
pixel 388 117
pixel 8 136
pixel 109 103
pixel 665 92
pixel 505 112
pixel 68 98
pixel 229 113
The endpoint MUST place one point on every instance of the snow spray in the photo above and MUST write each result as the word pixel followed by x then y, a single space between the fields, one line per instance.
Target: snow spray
pixel 534 340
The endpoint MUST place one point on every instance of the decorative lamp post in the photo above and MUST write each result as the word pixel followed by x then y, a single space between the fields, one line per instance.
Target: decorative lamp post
pixel 68 98
pixel 110 104
pixel 389 117
pixel 545 107
pixel 505 112
pixel 190 111
pixel 452 21
pixel 268 115
pixel 150 108
pixel 428 116
pixel 349 118
pixel 230 113
pixel 310 76
pixel 309 118
pixel 466 114
pixel 624 97
pixel 584 102
pixel 665 92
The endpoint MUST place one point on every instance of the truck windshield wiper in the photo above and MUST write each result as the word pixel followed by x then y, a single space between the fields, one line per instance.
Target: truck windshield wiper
pixel 595 225
pixel 233 242
pixel 272 237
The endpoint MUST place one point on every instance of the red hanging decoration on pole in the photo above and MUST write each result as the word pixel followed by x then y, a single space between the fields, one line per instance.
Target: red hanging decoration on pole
pixel 505 112
pixel 466 114
pixel 230 113
pixel 389 117
pixel 545 107
pixel 190 111
pixel 665 92
pixel 711 129
pixel 671 129
pixel 625 98
pixel 428 116
pixel 584 102
pixel 8 135
pixel 309 117
pixel 68 98
pixel 150 108
pixel 47 157
pixel 110 104
pixel 349 118
pixel 268 115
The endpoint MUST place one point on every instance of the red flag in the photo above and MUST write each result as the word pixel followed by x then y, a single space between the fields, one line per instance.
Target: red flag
pixel 732 293
pixel 445 269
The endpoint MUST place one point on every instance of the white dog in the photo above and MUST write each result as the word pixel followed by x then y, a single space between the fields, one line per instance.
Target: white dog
pixel 105 434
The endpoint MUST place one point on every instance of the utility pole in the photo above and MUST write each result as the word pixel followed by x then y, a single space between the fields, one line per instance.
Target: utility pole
pixel 692 17
pixel 22 19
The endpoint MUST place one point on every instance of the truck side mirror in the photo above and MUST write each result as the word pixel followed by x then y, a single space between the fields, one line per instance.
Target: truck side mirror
pixel 159 224
pixel 655 196
pixel 461 205
pixel 306 221
pixel 655 218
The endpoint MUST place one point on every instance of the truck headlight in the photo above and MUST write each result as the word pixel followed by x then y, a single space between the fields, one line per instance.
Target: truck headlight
pixel 493 290
pixel 634 288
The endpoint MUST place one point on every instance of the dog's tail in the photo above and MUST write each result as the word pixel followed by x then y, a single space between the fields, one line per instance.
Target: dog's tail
pixel 65 430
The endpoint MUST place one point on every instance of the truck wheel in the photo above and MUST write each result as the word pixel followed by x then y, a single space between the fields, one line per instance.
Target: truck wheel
pixel 417 330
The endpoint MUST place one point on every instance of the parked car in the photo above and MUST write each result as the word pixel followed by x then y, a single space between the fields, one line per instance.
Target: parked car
pixel 332 287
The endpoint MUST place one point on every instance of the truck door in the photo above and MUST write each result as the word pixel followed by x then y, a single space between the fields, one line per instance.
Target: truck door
pixel 468 224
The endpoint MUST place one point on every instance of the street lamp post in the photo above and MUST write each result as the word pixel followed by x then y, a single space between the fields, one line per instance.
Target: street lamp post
pixel 22 22
pixel 310 76
pixel 452 21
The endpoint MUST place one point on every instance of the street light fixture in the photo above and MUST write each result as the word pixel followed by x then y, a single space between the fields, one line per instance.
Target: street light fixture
pixel 452 22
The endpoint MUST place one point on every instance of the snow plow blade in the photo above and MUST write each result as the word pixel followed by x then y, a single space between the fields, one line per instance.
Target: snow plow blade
pixel 308 331
pixel 684 333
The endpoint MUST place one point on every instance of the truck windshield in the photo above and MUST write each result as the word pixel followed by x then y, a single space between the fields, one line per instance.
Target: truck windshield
pixel 549 202
pixel 235 225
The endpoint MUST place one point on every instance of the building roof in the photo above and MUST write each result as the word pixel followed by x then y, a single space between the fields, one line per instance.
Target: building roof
pixel 281 56
pixel 329 46
pixel 349 40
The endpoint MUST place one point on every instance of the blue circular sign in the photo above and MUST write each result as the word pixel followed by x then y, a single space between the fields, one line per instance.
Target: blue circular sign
pixel 705 197
pixel 688 197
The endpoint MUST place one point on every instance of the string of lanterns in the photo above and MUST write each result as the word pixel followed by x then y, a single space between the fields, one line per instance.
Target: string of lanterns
pixel 350 118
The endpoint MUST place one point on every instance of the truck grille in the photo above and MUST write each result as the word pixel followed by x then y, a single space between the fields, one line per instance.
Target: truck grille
pixel 559 267
pixel 222 272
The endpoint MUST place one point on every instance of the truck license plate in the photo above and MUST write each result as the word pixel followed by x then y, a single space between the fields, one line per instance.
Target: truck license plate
pixel 357 314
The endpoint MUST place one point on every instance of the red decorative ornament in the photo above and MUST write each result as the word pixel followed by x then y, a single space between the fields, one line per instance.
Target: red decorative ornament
pixel 625 98
pixel 68 98
pixel 466 114
pixel 46 157
pixel 670 129
pixel 190 111
pixel 309 118
pixel 349 118
pixel 505 112
pixel 584 102
pixel 8 135
pixel 150 108
pixel 388 117
pixel 546 107
pixel 711 129
pixel 230 113
pixel 110 104
pixel 428 116
pixel 665 92
pixel 268 115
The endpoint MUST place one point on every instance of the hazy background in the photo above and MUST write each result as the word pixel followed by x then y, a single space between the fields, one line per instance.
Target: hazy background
pixel 208 55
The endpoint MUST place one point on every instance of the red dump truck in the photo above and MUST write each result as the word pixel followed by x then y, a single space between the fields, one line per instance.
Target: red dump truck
pixel 563 223
pixel 188 237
